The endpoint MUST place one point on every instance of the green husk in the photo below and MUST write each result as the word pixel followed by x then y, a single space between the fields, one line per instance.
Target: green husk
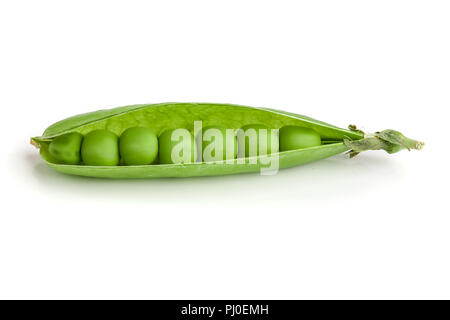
pixel 163 116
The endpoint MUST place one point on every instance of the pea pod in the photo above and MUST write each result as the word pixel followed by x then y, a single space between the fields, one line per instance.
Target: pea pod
pixel 164 116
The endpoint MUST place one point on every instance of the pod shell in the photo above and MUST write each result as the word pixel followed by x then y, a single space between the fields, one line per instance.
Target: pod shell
pixel 159 117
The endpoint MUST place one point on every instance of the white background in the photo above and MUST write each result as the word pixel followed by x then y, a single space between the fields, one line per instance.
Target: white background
pixel 376 226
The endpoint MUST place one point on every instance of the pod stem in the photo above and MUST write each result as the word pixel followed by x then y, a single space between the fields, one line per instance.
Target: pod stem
pixel 388 140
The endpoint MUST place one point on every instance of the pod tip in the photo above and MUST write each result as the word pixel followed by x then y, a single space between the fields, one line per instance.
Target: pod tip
pixel 34 143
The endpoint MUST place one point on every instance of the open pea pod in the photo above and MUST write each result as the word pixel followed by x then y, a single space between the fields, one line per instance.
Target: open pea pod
pixel 163 116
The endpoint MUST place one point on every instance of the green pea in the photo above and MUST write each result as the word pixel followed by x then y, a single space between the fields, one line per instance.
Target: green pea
pixel 217 144
pixel 66 148
pixel 100 148
pixel 295 137
pixel 138 146
pixel 173 115
pixel 177 146
pixel 249 140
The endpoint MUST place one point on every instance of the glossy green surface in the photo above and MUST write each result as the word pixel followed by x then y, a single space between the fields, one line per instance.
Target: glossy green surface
pixel 177 146
pixel 256 140
pixel 100 148
pixel 216 144
pixel 138 146
pixel 66 149
pixel 159 117
pixel 295 137
pixel 286 159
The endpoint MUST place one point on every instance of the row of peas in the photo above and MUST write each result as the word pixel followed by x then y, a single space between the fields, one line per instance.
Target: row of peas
pixel 141 146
